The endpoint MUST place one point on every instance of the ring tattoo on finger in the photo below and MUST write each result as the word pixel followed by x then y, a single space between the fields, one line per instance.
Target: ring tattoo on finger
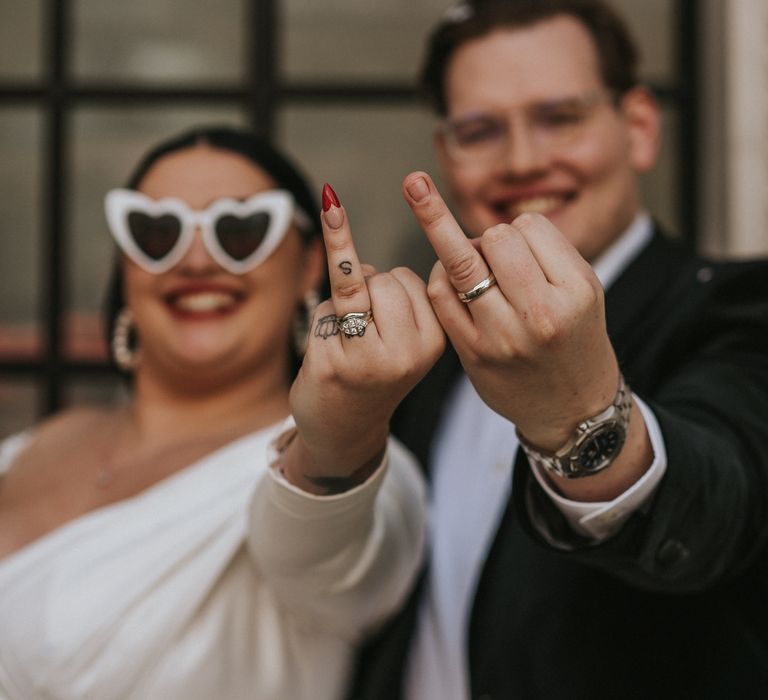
pixel 327 326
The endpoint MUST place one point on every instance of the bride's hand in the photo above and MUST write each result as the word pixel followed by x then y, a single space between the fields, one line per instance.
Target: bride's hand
pixel 368 347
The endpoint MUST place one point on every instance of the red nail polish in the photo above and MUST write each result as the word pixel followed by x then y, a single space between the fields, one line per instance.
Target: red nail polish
pixel 329 197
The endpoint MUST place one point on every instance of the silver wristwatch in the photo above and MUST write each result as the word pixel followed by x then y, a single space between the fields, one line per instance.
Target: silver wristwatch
pixel 595 443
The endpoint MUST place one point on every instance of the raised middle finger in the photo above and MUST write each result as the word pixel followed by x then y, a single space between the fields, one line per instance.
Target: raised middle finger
pixel 349 290
pixel 465 266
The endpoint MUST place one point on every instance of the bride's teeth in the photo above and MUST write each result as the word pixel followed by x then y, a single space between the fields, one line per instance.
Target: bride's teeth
pixel 538 205
pixel 207 301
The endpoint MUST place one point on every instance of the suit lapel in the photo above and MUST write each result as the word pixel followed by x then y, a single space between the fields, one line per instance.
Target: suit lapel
pixel 642 282
pixel 418 417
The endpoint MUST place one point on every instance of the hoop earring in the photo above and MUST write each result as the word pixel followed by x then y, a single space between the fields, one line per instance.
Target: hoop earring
pixel 126 357
pixel 303 321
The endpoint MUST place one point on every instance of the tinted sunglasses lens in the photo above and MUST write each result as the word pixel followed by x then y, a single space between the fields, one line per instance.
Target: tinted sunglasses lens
pixel 155 236
pixel 240 237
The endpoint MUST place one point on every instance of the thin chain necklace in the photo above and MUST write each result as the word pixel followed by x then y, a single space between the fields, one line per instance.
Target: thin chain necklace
pixel 107 470
pixel 111 468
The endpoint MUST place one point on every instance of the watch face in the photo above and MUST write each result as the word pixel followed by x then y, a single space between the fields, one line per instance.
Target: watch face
pixel 600 447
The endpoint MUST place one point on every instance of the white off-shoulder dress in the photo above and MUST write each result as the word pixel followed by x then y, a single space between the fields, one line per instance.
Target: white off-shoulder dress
pixel 221 582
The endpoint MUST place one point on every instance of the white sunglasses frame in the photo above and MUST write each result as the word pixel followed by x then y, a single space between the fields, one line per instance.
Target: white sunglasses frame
pixel 280 204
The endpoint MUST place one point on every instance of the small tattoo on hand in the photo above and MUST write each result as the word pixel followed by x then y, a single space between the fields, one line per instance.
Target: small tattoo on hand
pixel 346 267
pixel 326 327
pixel 332 485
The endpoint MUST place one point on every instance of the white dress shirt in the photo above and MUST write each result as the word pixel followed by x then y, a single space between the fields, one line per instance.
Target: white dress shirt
pixel 471 464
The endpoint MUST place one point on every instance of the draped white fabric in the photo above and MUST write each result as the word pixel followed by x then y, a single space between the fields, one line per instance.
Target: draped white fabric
pixel 163 595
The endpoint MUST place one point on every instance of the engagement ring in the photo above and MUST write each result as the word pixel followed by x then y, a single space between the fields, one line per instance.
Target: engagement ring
pixel 354 323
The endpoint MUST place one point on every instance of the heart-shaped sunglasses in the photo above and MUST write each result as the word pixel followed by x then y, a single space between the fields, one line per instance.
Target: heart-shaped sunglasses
pixel 239 235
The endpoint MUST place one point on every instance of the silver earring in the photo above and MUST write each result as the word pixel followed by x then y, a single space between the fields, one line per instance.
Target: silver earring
pixel 303 321
pixel 126 357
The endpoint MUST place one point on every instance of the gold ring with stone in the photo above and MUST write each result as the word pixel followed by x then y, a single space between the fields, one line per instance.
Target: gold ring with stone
pixel 354 323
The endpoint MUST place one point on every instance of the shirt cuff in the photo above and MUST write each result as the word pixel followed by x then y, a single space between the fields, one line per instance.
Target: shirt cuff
pixel 599 520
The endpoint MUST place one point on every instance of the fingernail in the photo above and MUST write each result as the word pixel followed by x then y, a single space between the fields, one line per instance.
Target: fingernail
pixel 334 217
pixel 333 214
pixel 418 189
pixel 329 197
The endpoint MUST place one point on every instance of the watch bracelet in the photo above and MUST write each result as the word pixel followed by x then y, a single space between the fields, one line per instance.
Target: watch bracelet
pixel 622 402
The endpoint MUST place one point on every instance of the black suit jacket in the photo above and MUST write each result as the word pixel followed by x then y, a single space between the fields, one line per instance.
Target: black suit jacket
pixel 676 604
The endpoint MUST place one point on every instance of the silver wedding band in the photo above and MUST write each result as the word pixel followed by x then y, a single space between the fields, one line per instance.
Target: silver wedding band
pixel 354 323
pixel 478 290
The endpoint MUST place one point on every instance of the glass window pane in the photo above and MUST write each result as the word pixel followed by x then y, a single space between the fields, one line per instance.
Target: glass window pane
pixel 106 390
pixel 357 39
pixel 365 152
pixel 159 41
pixel 660 187
pixel 20 204
pixel 106 145
pixel 20 39
pixel 370 40
pixel 652 22
pixel 18 405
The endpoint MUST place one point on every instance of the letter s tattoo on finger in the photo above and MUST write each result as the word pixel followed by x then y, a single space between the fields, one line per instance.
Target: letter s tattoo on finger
pixel 346 267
